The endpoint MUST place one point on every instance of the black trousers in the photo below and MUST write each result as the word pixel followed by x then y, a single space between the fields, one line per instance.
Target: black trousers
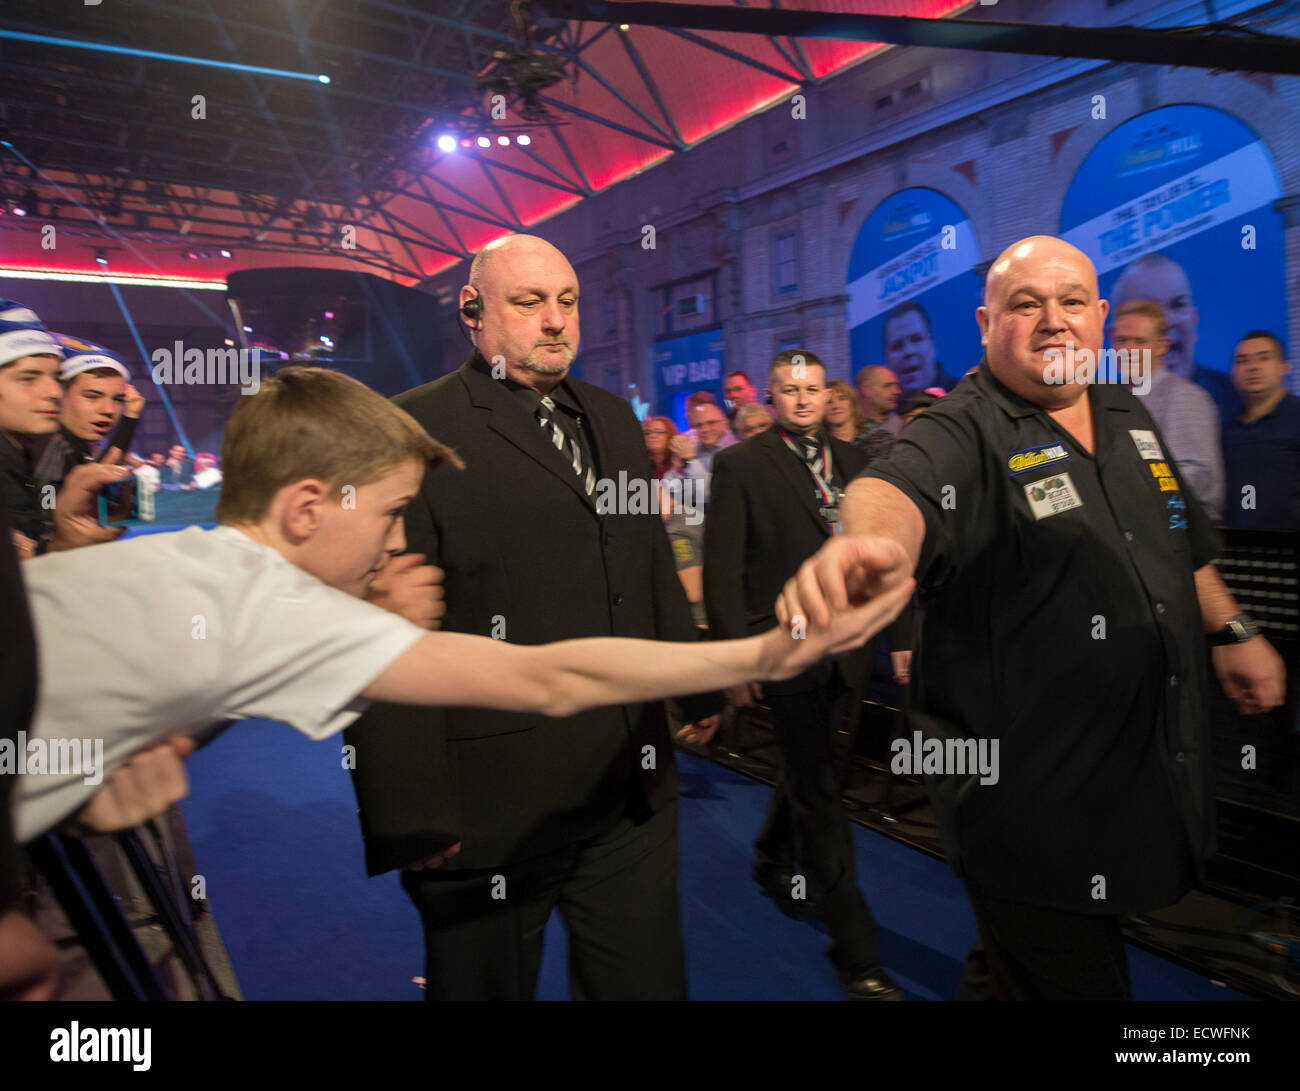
pixel 617 894
pixel 807 829
pixel 1029 952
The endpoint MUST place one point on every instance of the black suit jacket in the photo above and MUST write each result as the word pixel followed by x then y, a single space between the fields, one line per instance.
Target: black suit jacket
pixel 529 559
pixel 763 523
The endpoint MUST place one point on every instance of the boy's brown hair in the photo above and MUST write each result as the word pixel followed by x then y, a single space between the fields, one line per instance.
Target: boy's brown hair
pixel 309 422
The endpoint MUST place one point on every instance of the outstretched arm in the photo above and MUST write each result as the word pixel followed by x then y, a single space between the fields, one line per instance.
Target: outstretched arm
pixel 571 676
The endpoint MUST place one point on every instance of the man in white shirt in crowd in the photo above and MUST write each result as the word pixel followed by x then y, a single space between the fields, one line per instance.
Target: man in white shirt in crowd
pixel 1185 412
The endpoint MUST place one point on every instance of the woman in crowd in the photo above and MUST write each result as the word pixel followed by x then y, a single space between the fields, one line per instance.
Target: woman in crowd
pixel 844 416
pixel 659 432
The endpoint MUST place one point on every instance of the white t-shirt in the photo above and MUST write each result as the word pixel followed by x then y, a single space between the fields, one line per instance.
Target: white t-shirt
pixel 170 634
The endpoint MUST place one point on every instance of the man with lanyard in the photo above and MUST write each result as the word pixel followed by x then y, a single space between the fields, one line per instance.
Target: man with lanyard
pixel 1066 588
pixel 775 500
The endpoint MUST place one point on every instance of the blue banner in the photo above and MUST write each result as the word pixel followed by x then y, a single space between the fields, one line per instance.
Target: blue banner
pixel 1176 206
pixel 913 291
pixel 684 365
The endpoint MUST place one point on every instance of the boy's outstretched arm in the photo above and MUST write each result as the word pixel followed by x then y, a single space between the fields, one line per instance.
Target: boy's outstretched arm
pixel 571 676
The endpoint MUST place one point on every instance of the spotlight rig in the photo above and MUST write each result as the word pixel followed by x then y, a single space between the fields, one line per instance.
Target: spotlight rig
pixel 521 76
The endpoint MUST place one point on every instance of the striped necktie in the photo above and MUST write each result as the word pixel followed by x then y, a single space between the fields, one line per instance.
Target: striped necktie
pixel 545 417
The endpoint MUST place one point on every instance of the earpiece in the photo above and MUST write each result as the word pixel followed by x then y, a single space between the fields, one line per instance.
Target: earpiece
pixel 473 310
pixel 767 398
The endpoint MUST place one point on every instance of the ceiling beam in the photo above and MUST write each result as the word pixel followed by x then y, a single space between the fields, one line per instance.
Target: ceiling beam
pixel 1225 49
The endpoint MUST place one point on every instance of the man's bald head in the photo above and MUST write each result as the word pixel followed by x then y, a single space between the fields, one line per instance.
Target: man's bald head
pixel 1149 267
pixel 528 309
pixel 1162 280
pixel 878 391
pixel 508 246
pixel 1032 252
pixel 1041 310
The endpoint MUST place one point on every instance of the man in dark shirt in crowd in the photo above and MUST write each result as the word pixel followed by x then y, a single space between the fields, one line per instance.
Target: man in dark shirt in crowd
pixel 1065 585
pixel 1261 444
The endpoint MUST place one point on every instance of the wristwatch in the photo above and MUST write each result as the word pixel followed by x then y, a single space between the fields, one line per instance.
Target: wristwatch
pixel 1238 630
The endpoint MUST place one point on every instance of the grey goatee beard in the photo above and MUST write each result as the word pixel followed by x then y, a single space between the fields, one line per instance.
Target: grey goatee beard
pixel 530 363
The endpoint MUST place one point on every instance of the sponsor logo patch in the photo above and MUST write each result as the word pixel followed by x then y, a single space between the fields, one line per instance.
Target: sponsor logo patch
pixel 1052 495
pixel 1162 472
pixel 1033 458
pixel 1147 444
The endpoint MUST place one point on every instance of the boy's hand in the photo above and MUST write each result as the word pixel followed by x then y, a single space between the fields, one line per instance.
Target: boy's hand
pixel 846 571
pixel 800 644
pixel 143 788
pixel 76 522
pixel 410 588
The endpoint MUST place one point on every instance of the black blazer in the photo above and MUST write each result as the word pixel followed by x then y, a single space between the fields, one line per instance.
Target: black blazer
pixel 528 559
pixel 763 523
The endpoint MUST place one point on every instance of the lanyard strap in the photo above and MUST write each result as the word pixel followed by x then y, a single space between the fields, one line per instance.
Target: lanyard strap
pixel 824 486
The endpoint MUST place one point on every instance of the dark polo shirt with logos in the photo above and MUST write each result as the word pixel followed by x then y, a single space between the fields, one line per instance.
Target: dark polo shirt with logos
pixel 1058 615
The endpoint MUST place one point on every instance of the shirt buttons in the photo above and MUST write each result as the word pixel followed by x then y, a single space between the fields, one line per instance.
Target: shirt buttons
pixel 1128 536
pixel 1173 680
pixel 1160 607
pixel 618 598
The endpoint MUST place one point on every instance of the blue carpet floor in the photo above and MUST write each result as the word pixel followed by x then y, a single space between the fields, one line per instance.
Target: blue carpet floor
pixel 273 821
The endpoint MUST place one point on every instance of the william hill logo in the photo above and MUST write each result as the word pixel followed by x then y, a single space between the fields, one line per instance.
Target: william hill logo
pixel 1035 457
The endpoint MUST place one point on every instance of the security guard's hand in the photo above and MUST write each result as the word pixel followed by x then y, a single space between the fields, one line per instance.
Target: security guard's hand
pixel 701 731
pixel 747 693
pixel 410 588
pixel 1252 675
pixel 846 571
pixel 23 546
pixel 902 666
pixel 436 860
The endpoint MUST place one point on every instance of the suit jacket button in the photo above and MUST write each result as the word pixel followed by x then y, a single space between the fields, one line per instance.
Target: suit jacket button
pixel 618 598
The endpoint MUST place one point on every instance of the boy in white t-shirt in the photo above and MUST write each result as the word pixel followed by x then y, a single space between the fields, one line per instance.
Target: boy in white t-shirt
pixel 168 634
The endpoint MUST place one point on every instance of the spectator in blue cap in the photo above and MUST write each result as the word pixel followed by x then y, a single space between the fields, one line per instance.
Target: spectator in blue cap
pixel 98 402
pixel 29 406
